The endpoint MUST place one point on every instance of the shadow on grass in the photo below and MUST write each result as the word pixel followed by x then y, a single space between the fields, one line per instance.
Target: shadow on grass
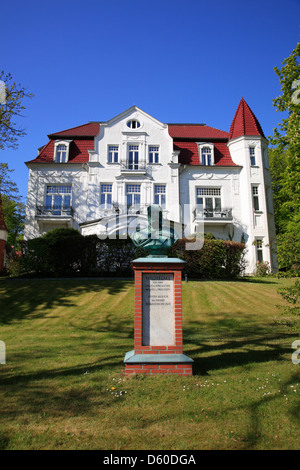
pixel 246 279
pixel 21 298
pixel 238 343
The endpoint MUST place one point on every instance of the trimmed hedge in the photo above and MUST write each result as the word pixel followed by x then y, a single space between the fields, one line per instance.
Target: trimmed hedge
pixel 65 252
pixel 217 259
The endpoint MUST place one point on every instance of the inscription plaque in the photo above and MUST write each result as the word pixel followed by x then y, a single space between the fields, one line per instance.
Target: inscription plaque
pixel 158 309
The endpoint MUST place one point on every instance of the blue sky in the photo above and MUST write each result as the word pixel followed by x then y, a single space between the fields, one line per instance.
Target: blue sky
pixel 178 60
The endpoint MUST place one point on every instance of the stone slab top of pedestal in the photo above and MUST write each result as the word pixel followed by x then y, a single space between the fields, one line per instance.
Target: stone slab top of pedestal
pixel 131 358
pixel 163 259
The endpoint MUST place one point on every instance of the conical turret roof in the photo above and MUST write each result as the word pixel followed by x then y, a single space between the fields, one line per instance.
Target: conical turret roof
pixel 244 122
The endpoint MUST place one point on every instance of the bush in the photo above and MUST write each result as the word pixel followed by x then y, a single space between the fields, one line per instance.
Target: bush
pixel 217 259
pixel 262 268
pixel 57 253
pixel 292 296
pixel 65 252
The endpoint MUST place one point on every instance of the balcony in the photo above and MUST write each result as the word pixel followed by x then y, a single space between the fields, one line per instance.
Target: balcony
pixel 58 216
pixel 138 168
pixel 116 209
pixel 213 217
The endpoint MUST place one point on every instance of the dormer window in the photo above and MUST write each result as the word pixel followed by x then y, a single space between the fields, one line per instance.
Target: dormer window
pixel 206 154
pixel 61 151
pixel 133 124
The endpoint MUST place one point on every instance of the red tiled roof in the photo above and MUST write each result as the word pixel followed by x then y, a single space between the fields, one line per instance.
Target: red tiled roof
pixel 82 140
pixel 195 131
pixel 78 152
pixel 244 122
pixel 186 135
pixel 189 153
pixel 86 130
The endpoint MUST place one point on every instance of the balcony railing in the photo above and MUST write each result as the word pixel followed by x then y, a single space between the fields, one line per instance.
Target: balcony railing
pixel 118 210
pixel 132 166
pixel 217 215
pixel 46 211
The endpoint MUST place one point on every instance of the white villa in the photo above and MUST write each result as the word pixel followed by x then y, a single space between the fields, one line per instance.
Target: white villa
pixel 100 178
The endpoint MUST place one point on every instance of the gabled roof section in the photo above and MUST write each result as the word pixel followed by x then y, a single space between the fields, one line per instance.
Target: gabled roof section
pixel 90 129
pixel 244 122
pixel 128 112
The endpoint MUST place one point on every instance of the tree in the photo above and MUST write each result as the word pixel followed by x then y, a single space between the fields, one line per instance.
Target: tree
pixel 14 215
pixel 285 161
pixel 7 186
pixel 13 207
pixel 11 107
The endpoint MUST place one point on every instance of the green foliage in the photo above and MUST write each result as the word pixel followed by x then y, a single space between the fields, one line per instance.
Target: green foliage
pixel 65 252
pixel 14 215
pixel 13 207
pixel 292 296
pixel 7 186
pixel 288 247
pixel 217 259
pixel 285 163
pixel 58 253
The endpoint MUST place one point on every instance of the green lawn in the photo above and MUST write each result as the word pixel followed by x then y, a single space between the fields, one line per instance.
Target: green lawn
pixel 63 384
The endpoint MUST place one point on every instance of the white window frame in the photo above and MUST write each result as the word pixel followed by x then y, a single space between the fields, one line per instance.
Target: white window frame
pixel 153 154
pixel 106 195
pixel 252 155
pixel 202 152
pixel 58 157
pixel 133 189
pixel 255 197
pixel 134 164
pixel 133 124
pixel 259 250
pixel 57 196
pixel 112 153
pixel 205 194
pixel 160 194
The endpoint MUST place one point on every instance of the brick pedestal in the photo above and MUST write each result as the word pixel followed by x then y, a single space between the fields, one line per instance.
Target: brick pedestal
pixel 158 346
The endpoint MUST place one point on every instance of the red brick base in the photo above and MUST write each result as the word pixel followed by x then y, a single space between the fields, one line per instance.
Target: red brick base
pixel 179 369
